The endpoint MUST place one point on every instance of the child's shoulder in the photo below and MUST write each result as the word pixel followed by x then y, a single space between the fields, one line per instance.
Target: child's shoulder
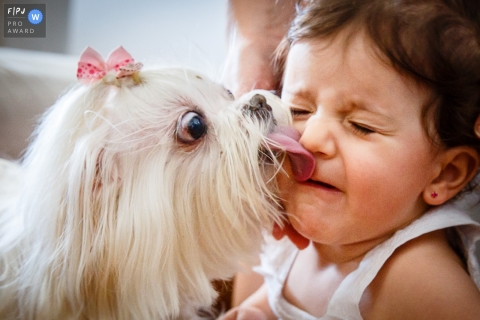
pixel 423 279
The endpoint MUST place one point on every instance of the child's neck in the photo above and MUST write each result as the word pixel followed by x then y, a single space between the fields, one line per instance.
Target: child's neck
pixel 322 267
pixel 344 254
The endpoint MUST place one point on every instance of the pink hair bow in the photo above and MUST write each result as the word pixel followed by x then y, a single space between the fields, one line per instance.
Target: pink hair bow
pixel 92 66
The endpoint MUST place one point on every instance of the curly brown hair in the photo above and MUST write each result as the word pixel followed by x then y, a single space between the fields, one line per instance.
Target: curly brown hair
pixel 435 42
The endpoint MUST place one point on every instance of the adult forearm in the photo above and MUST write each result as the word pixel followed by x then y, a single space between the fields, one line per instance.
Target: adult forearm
pixel 265 20
pixel 255 29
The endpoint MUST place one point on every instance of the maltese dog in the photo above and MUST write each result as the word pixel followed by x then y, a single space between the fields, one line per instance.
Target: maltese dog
pixel 140 187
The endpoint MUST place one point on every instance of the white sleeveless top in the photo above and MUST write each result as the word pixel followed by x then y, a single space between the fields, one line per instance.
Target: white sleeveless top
pixel 278 257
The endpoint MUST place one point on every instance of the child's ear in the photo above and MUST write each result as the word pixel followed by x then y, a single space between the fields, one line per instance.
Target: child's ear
pixel 458 166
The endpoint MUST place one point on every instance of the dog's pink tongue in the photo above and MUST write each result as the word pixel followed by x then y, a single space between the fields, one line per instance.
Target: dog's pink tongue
pixel 303 162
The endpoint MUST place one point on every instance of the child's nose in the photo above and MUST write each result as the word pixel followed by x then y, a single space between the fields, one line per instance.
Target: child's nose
pixel 318 136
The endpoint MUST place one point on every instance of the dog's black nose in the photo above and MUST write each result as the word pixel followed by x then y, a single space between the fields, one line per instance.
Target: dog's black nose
pixel 258 103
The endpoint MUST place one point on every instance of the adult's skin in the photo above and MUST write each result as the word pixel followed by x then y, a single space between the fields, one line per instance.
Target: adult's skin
pixel 255 29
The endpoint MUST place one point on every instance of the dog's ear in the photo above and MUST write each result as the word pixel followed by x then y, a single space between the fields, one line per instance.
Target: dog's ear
pixel 106 172
pixel 93 182
pixel 92 202
pixel 97 181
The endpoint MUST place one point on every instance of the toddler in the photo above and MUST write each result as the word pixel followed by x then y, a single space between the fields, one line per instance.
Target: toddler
pixel 385 95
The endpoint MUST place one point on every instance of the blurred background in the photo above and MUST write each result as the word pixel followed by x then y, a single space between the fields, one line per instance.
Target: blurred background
pixel 35 71
pixel 167 29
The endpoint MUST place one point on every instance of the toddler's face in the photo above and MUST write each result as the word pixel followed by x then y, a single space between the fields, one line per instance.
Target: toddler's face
pixel 362 121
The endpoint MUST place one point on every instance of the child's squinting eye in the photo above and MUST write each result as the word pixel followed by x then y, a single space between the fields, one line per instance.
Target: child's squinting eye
pixel 299 112
pixel 361 129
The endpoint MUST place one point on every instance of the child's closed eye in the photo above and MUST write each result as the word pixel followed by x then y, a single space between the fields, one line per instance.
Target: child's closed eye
pixel 360 128
pixel 297 112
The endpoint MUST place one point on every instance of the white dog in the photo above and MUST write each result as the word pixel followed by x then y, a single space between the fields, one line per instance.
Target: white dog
pixel 138 189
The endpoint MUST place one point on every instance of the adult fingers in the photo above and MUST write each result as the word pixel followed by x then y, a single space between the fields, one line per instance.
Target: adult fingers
pixel 300 241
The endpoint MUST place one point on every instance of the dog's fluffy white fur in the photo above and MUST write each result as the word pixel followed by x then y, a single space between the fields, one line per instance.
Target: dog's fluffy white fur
pixel 122 210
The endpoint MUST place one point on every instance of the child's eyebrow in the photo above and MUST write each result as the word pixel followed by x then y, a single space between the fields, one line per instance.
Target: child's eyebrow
pixel 301 94
pixel 370 108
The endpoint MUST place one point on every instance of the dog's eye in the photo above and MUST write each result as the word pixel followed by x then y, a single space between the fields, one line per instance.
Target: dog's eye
pixel 191 127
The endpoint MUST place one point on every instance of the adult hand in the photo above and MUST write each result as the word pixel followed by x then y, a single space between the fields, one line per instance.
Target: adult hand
pixel 300 241
pixel 244 313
